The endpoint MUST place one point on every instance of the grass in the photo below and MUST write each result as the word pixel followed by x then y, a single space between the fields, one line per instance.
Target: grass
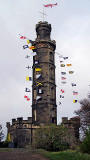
pixel 65 155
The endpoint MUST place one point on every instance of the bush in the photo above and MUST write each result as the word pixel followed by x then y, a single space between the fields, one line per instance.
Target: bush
pixel 51 138
pixel 85 146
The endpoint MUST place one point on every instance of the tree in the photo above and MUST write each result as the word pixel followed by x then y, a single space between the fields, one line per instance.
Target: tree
pixel 52 138
pixel 1 133
pixel 85 146
pixel 84 114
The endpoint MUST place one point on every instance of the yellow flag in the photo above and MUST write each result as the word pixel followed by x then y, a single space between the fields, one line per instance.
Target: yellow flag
pixel 38 69
pixel 32 47
pixel 27 78
pixel 8 137
pixel 69 65
pixel 28 41
pixel 74 101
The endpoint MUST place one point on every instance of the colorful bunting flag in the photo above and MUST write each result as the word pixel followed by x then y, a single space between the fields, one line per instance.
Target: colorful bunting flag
pixel 50 5
pixel 36 62
pixel 68 65
pixel 75 93
pixel 32 47
pixel 28 67
pixel 61 61
pixel 28 99
pixel 60 103
pixel 29 41
pixel 28 78
pixel 63 78
pixel 27 90
pixel 62 90
pixel 22 37
pixel 27 56
pixel 25 96
pixel 65 58
pixel 73 84
pixel 40 91
pixel 38 98
pixel 62 65
pixel 61 96
pixel 38 69
pixel 75 101
pixel 38 76
pixel 63 73
pixel 71 72
pixel 63 82
pixel 25 46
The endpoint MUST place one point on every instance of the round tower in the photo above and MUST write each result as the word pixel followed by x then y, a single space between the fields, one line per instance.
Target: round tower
pixel 44 109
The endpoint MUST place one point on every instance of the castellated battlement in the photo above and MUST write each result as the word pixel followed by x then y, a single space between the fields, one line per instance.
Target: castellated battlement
pixel 73 123
pixel 20 123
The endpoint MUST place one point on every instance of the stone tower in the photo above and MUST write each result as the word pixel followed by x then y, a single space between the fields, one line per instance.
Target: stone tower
pixel 44 109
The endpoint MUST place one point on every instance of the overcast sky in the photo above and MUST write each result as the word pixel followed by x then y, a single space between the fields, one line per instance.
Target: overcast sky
pixel 70 21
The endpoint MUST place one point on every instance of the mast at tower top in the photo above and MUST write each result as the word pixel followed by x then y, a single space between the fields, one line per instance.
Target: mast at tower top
pixel 43 14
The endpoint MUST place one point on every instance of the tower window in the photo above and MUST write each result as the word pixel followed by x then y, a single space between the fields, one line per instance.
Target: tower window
pixel 35 115
pixel 51 56
pixel 34 94
pixel 53 120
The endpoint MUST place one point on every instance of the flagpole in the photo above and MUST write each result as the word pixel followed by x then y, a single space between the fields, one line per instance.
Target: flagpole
pixel 43 13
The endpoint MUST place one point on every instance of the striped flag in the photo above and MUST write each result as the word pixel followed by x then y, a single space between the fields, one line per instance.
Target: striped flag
pixel 63 73
pixel 75 93
pixel 25 46
pixel 63 78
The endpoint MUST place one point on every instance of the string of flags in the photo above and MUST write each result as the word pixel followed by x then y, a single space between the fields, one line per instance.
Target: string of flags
pixel 38 70
pixel 64 64
pixel 30 46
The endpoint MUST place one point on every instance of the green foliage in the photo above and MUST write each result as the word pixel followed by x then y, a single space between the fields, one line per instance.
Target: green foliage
pixel 1 133
pixel 85 146
pixel 66 155
pixel 51 138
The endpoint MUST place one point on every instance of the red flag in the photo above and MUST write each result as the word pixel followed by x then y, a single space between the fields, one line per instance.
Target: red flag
pixel 28 99
pixel 22 37
pixel 25 96
pixel 63 78
pixel 50 5
pixel 62 91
